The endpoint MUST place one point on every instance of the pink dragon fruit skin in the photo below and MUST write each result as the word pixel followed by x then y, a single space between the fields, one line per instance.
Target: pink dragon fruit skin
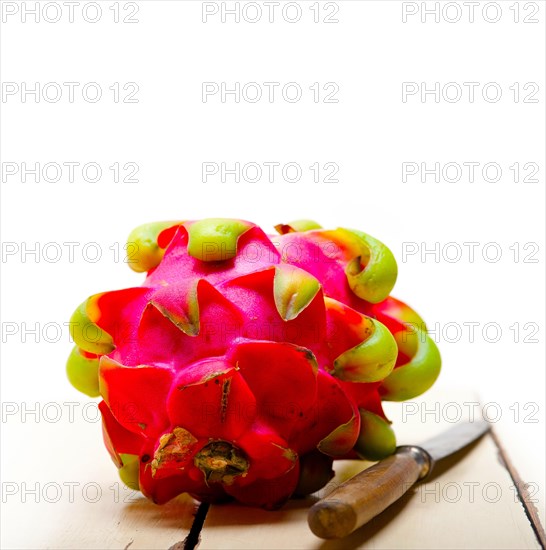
pixel 243 354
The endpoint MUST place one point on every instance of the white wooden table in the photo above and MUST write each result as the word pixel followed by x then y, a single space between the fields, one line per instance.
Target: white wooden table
pixel 470 504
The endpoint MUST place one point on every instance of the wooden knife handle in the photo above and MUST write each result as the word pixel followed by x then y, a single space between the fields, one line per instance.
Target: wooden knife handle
pixel 367 494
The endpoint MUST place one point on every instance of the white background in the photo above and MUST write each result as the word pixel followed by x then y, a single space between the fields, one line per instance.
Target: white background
pixel 170 131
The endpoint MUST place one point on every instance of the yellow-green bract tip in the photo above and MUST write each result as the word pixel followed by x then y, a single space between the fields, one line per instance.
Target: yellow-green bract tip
pixel 143 252
pixel 376 439
pixel 215 239
pixel 83 372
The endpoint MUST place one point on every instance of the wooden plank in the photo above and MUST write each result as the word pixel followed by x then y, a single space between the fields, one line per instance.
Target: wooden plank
pixel 68 495
pixel 469 502
pixel 139 525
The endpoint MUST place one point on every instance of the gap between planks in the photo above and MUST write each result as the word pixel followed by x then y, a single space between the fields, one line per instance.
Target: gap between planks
pixel 522 492
pixel 194 536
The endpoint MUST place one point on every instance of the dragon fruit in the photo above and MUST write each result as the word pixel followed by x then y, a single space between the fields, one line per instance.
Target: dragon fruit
pixel 246 363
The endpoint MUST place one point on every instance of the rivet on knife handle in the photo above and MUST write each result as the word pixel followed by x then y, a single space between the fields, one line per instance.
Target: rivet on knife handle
pixel 367 494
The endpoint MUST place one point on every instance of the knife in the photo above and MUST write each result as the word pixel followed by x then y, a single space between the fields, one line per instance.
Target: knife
pixel 367 494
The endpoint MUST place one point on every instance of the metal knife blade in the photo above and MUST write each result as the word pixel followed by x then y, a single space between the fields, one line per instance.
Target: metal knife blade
pixel 367 494
pixel 454 439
